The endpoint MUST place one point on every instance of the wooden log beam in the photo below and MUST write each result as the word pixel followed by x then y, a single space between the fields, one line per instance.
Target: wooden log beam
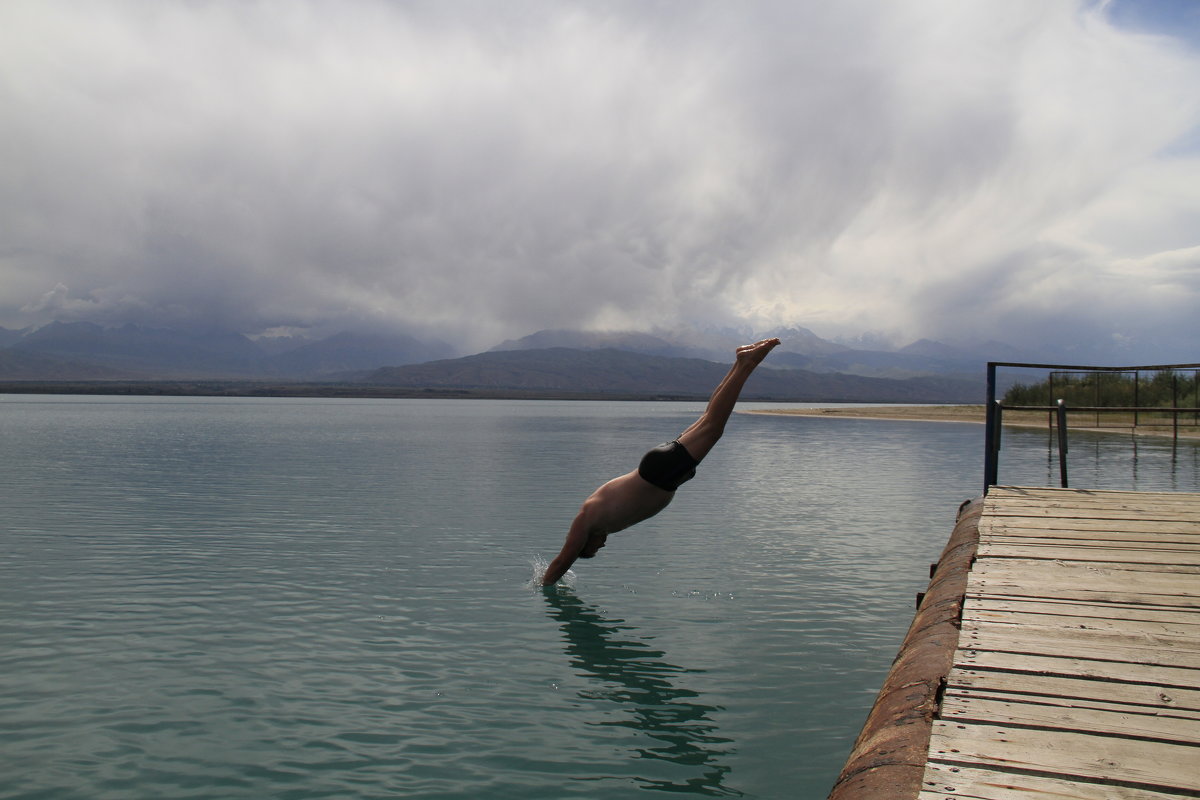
pixel 887 761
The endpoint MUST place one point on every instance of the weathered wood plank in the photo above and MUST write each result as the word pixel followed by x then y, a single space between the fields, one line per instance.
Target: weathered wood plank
pixel 959 708
pixel 1098 608
pixel 1185 503
pixel 1052 493
pixel 1091 507
pixel 1090 609
pixel 1072 689
pixel 1096 541
pixel 1114 704
pixel 1055 494
pixel 1151 674
pixel 944 781
pixel 1076 553
pixel 1002 589
pixel 1073 533
pixel 1033 516
pixel 1082 649
pixel 1179 590
pixel 1114 701
pixel 1053 640
pixel 1034 573
pixel 1051 523
pixel 1081 623
pixel 1182 503
pixel 1127 571
pixel 1101 549
pixel 1159 765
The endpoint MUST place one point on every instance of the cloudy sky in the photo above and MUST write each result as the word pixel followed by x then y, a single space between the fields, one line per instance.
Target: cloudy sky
pixel 954 169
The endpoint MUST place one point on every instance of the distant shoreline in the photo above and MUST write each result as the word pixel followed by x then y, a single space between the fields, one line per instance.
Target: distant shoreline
pixel 949 413
pixel 235 388
pixel 969 414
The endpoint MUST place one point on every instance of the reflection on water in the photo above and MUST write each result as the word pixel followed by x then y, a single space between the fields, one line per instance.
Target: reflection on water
pixel 636 675
pixel 1108 460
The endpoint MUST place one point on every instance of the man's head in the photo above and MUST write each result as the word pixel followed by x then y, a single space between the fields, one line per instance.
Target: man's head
pixel 594 543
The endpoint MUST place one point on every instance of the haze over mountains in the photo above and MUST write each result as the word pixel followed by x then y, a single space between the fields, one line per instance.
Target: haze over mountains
pixel 806 367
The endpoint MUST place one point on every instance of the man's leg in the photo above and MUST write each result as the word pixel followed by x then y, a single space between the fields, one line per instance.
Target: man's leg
pixel 704 432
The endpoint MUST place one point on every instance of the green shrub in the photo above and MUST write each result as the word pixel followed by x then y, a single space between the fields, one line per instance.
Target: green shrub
pixel 1162 389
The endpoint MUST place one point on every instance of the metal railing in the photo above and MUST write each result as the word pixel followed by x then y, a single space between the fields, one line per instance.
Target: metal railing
pixel 1057 410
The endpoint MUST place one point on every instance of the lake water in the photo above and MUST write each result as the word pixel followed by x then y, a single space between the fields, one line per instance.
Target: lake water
pixel 284 598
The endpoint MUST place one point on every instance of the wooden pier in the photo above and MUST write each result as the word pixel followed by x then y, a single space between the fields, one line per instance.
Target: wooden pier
pixel 1055 655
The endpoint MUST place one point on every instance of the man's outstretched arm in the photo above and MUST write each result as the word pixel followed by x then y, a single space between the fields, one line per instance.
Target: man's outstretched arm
pixel 577 538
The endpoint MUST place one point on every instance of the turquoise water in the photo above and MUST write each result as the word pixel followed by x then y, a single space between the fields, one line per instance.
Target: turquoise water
pixel 228 598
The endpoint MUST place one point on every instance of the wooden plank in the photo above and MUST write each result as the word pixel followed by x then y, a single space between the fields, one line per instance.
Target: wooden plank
pixel 1097 609
pixel 1085 624
pixel 1132 501
pixel 958 708
pixel 1036 574
pixel 1091 539
pixel 1069 568
pixel 1083 649
pixel 1067 593
pixel 979 632
pixel 1068 505
pixel 1192 717
pixel 1178 589
pixel 1076 553
pixel 944 781
pixel 998 587
pixel 1166 604
pixel 1155 765
pixel 1088 542
pixel 1181 504
pixel 1052 493
pixel 1050 640
pixel 1157 510
pixel 1119 671
pixel 1097 539
pixel 1071 533
pixel 1139 525
pixel 1120 570
pixel 1174 700
pixel 1027 565
pixel 1115 515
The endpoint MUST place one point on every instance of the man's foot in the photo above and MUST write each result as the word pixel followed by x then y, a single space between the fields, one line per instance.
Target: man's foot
pixel 752 354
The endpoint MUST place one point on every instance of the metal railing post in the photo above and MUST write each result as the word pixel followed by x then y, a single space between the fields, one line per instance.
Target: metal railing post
pixel 1175 405
pixel 1136 402
pixel 1062 444
pixel 991 441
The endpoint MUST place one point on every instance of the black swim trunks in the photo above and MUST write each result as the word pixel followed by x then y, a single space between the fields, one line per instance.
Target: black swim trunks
pixel 667 466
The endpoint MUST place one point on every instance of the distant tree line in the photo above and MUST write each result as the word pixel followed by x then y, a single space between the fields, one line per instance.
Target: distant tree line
pixel 1162 389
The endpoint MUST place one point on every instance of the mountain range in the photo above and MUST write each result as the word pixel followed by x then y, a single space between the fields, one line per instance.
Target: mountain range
pixel 806 367
pixel 86 351
pixel 562 371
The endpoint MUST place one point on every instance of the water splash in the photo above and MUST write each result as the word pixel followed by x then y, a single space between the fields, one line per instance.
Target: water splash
pixel 539 566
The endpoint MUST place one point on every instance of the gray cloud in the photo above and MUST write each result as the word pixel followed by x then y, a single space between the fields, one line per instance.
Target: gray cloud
pixel 1008 170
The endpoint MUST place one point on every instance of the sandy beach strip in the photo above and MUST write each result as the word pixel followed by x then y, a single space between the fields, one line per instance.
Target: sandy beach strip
pixel 969 413
pixel 973 414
